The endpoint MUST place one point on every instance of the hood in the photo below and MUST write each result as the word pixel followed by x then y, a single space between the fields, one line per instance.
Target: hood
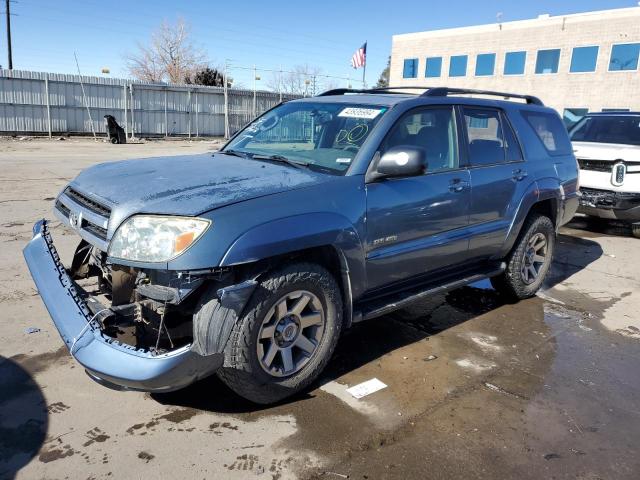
pixel 606 151
pixel 187 185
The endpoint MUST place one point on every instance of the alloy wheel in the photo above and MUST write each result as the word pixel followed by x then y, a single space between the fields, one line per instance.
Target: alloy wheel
pixel 290 333
pixel 535 256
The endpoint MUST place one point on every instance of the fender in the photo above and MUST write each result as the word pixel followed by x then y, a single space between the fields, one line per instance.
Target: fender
pixel 300 232
pixel 542 189
pixel 550 188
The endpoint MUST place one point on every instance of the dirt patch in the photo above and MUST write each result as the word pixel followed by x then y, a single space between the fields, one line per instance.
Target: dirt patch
pixel 146 456
pixel 56 453
pixel 179 415
pixel 95 435
pixel 35 364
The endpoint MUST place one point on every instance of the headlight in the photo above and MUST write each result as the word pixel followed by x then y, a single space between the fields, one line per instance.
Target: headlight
pixel 155 238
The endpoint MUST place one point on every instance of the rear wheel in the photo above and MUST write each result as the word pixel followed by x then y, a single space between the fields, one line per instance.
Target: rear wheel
pixel 530 259
pixel 635 229
pixel 286 335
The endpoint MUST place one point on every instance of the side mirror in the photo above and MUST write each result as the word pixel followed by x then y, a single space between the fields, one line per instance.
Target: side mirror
pixel 402 161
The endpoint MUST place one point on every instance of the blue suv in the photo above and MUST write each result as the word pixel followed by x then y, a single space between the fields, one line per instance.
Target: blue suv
pixel 321 213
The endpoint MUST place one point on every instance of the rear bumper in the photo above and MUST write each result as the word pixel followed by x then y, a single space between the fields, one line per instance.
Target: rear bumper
pixel 610 204
pixel 107 361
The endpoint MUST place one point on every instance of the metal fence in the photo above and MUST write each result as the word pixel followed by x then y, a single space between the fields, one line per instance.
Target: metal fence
pixel 54 104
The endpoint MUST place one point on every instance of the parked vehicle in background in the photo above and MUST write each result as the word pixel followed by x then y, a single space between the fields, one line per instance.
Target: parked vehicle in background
pixel 321 213
pixel 607 146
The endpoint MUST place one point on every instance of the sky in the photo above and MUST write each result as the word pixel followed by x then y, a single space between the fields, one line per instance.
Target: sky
pixel 270 34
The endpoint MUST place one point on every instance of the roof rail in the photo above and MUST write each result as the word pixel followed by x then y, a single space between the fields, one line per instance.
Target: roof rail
pixel 433 92
pixel 343 91
pixel 444 91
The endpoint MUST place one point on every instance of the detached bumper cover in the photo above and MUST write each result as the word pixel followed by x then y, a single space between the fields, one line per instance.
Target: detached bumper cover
pixel 107 361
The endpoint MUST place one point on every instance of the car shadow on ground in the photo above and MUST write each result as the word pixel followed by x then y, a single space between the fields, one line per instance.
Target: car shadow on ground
pixel 23 418
pixel 371 340
pixel 572 254
pixel 586 225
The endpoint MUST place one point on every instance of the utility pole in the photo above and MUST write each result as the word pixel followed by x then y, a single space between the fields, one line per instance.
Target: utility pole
pixel 254 90
pixel 226 100
pixel 8 12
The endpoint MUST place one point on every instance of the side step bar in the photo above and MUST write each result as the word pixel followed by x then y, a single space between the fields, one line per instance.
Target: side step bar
pixel 382 306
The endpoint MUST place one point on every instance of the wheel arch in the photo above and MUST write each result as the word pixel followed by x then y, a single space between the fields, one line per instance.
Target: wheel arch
pixel 544 196
pixel 327 239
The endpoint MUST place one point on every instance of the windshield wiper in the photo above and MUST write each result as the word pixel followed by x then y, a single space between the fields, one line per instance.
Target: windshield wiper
pixel 280 159
pixel 235 153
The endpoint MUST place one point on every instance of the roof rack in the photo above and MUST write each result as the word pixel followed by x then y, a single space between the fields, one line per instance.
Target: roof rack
pixel 434 92
pixel 444 91
pixel 343 91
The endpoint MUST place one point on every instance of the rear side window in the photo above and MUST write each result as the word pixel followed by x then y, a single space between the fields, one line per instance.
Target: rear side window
pixel 550 130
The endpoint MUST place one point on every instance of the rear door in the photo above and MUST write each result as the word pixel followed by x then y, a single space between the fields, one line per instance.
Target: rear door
pixel 498 178
pixel 417 225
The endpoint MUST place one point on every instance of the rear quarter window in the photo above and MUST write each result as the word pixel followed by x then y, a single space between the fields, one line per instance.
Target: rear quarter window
pixel 550 130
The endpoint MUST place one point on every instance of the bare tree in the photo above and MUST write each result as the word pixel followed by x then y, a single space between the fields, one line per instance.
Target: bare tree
pixel 302 80
pixel 171 56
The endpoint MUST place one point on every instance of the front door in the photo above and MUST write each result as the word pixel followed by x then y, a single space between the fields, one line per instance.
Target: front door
pixel 417 225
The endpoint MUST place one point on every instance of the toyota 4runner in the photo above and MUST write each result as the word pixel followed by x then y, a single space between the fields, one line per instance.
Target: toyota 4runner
pixel 607 146
pixel 321 213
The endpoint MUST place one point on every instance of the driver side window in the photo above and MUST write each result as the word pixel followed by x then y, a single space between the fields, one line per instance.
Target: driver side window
pixel 433 129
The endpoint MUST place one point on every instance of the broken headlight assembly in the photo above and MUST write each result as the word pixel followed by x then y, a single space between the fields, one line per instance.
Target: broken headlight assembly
pixel 155 238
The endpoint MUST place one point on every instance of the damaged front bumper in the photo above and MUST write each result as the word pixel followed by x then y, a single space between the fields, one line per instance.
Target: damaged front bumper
pixel 610 204
pixel 106 360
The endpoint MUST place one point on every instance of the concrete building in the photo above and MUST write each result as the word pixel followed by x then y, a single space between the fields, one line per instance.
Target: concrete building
pixel 574 63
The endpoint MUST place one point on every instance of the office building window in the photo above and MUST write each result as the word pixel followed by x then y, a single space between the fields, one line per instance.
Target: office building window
pixel 410 69
pixel 624 57
pixel 485 64
pixel 584 59
pixel 514 63
pixel 547 61
pixel 458 66
pixel 433 67
pixel 571 116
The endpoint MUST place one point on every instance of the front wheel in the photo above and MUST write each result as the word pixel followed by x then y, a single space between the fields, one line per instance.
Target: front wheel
pixel 286 335
pixel 530 259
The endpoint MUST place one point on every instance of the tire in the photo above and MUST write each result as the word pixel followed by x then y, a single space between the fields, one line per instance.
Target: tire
pixel 517 281
pixel 114 140
pixel 635 230
pixel 250 369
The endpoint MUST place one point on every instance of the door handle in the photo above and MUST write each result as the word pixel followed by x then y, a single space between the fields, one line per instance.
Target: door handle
pixel 519 174
pixel 457 185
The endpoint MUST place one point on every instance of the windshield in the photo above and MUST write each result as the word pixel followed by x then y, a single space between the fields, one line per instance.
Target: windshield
pixel 624 129
pixel 320 135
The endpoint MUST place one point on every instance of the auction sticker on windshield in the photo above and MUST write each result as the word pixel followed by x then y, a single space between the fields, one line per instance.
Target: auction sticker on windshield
pixel 352 112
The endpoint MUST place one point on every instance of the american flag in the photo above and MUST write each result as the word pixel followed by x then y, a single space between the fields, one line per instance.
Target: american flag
pixel 359 59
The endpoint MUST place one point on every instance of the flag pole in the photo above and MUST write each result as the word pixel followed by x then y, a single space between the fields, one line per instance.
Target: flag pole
pixel 364 67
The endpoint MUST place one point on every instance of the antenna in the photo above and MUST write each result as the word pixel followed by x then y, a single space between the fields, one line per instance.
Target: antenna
pixel 499 19
pixel 84 98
